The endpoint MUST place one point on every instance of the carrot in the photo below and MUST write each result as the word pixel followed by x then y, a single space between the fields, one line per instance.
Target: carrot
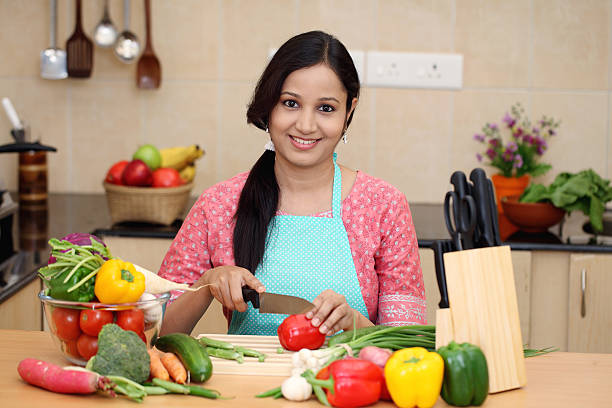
pixel 157 368
pixel 57 379
pixel 175 368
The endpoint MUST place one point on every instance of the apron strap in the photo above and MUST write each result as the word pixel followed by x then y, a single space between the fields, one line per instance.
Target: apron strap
pixel 337 191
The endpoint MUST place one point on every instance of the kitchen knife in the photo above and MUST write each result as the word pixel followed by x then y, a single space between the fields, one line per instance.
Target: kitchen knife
pixel 494 215
pixel 481 195
pixel 440 247
pixel 268 302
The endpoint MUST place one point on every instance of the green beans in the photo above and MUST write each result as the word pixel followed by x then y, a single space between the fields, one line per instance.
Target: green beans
pixel 228 351
pixel 185 389
pixel 226 354
pixel 274 392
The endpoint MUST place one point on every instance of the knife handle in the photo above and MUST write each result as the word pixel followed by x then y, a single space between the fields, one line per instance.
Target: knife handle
pixel 439 249
pixel 481 190
pixel 250 295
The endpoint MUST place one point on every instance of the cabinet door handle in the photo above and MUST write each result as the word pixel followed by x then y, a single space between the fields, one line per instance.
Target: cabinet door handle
pixel 583 289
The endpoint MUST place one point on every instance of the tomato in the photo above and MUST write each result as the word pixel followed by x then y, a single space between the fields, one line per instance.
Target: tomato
pixel 115 173
pixel 297 332
pixel 91 321
pixel 66 323
pixel 166 177
pixel 87 346
pixel 132 319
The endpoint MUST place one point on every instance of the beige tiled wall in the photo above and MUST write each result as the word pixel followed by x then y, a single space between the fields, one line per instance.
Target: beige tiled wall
pixel 551 55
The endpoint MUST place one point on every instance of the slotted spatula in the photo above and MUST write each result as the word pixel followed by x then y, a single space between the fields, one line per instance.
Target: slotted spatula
pixel 148 75
pixel 79 50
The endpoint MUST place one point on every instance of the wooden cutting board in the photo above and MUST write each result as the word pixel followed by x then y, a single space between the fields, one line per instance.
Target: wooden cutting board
pixel 275 364
pixel 484 311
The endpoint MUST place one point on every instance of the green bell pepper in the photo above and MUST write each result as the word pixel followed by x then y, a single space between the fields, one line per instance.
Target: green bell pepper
pixel 466 376
pixel 57 289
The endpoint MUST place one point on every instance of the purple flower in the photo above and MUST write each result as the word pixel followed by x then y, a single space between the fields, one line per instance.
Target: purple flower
pixel 490 153
pixel 509 120
pixel 479 157
pixel 512 147
pixel 494 142
pixel 518 161
pixel 536 130
pixel 508 155
pixel 517 132
pixel 479 137
pixel 492 126
pixel 528 139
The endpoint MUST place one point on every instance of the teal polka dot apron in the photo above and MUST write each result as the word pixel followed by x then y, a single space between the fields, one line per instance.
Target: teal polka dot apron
pixel 304 256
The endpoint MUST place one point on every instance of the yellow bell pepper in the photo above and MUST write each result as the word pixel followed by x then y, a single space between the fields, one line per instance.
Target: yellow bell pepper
pixel 414 377
pixel 119 282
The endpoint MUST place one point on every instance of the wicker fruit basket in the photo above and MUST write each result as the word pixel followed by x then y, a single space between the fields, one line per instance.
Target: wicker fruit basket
pixel 146 204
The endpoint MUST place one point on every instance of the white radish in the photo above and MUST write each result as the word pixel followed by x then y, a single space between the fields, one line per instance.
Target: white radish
pixel 296 388
pixel 155 284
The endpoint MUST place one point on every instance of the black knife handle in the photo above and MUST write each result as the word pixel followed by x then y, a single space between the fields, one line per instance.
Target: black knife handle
pixel 494 214
pixel 439 249
pixel 250 295
pixel 481 195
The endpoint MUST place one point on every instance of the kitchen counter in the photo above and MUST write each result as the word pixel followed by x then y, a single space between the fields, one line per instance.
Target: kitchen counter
pixel 553 380
pixel 68 213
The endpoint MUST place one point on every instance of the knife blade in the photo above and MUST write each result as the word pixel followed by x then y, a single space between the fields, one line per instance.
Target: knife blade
pixel 268 302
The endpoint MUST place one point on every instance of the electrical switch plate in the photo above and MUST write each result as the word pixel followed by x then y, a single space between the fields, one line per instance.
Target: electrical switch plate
pixel 414 70
pixel 358 57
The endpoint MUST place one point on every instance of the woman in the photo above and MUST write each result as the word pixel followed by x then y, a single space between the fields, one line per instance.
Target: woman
pixel 298 223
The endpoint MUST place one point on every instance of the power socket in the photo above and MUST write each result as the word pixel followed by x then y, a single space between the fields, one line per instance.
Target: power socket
pixel 414 70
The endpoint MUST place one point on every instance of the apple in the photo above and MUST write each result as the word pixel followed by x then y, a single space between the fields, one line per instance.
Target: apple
pixel 115 173
pixel 150 155
pixel 137 173
pixel 166 177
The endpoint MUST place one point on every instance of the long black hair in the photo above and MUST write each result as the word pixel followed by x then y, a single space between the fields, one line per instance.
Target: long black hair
pixel 259 198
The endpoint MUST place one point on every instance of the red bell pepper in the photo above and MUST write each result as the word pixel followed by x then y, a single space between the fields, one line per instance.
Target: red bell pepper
pixel 297 332
pixel 351 383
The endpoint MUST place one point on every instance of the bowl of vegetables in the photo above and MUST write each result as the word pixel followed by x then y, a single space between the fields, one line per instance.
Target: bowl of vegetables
pixel 85 287
pixel 75 326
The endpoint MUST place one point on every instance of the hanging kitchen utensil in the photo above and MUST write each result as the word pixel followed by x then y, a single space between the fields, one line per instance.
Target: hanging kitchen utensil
pixel 53 59
pixel 105 33
pixel 484 311
pixel 148 74
pixel 127 46
pixel 79 50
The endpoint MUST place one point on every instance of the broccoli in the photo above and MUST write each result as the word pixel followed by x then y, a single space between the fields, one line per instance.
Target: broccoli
pixel 121 353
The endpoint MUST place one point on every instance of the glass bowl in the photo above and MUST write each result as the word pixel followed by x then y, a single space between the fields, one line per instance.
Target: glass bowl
pixel 69 321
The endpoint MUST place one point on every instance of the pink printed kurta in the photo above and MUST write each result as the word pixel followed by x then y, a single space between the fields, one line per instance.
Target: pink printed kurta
pixel 380 232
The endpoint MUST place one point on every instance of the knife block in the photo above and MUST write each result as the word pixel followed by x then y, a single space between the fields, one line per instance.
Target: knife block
pixel 484 312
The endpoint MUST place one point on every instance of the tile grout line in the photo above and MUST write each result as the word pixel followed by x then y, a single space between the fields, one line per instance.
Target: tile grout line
pixel 608 110
pixel 220 90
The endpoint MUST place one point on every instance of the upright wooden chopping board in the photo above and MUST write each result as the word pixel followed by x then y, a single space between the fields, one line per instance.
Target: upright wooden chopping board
pixel 275 364
pixel 484 311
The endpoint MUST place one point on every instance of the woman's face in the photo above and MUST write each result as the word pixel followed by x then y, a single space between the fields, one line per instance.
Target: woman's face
pixel 308 121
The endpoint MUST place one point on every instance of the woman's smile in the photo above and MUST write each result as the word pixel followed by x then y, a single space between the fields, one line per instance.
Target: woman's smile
pixel 303 144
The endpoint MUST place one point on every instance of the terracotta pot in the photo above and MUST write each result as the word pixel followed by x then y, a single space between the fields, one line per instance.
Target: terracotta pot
pixel 507 186
pixel 531 217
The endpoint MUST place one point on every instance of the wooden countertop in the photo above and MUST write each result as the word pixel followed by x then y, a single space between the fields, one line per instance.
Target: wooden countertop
pixel 553 380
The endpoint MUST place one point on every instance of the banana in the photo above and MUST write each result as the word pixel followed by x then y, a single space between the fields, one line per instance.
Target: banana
pixel 180 157
pixel 188 173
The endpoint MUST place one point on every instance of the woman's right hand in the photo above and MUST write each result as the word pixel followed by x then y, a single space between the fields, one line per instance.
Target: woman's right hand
pixel 226 282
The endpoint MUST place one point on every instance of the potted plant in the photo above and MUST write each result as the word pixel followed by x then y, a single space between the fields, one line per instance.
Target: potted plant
pixel 515 149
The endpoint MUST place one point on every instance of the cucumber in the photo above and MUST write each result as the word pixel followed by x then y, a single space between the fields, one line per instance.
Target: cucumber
pixel 193 356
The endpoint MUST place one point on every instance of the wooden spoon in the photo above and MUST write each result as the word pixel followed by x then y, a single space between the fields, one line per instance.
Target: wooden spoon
pixel 148 75
pixel 79 50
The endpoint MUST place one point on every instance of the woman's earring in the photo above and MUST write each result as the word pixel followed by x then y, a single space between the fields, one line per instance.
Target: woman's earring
pixel 267 130
pixel 344 139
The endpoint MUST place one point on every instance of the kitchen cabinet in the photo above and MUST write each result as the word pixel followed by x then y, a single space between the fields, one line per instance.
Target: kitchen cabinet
pixel 23 310
pixel 589 312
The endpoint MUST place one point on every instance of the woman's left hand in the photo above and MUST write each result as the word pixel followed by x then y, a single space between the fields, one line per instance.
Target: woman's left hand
pixel 331 313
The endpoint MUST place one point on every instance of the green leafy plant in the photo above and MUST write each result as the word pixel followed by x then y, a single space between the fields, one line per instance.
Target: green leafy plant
pixel 527 143
pixel 585 191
